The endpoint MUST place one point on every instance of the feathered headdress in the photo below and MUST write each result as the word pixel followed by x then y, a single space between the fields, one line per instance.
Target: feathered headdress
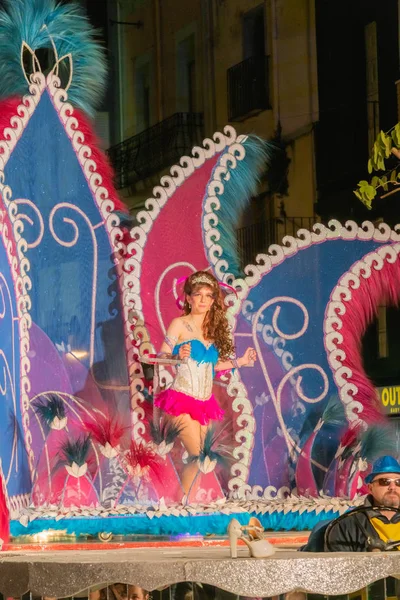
pixel 46 35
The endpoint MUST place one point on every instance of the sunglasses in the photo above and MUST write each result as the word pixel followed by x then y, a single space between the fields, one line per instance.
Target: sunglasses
pixel 386 481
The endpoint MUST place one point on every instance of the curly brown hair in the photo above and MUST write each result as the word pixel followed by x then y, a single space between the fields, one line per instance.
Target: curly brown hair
pixel 215 325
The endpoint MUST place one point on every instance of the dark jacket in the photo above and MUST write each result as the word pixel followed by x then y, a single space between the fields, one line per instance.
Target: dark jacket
pixel 351 533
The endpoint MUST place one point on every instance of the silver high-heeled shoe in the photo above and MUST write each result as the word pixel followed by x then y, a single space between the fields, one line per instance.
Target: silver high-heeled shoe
pixel 259 547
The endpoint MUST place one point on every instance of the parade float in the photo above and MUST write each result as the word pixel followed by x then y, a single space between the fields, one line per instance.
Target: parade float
pixel 85 298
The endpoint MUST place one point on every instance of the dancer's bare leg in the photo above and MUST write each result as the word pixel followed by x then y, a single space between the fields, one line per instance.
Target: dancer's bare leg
pixel 191 436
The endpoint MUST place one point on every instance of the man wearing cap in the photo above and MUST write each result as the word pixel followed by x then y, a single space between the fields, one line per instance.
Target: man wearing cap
pixel 371 529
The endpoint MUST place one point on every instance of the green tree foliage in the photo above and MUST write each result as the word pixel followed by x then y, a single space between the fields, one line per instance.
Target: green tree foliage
pixel 386 145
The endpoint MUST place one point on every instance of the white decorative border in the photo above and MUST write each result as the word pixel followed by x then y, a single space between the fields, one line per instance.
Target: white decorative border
pixel 100 194
pixel 18 504
pixel 111 221
pixel 10 138
pixel 105 205
pixel 292 245
pixel 161 193
pixel 15 503
pixel 305 239
pixel 340 296
pixel 179 174
pixel 227 162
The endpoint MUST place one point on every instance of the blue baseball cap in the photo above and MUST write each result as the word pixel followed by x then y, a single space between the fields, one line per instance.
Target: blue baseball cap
pixel 384 464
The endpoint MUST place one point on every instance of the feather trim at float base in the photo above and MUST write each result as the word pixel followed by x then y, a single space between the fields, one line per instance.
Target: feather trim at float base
pixel 39 24
pixel 293 513
pixel 164 433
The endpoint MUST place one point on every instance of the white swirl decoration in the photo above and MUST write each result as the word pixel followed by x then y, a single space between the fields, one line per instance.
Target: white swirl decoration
pixel 11 230
pixel 157 291
pixel 24 217
pixel 276 389
pixel 70 243
pixel 319 234
pixel 128 268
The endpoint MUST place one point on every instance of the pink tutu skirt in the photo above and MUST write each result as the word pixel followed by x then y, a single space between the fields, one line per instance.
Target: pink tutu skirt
pixel 177 403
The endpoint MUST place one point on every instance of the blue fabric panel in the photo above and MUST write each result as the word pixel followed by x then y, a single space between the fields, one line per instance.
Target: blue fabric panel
pixel 309 277
pixel 12 448
pixel 44 169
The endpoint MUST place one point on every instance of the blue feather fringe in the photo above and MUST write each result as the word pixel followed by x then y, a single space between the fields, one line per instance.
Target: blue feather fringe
pixel 216 524
pixel 238 189
pixel 199 352
pixel 33 22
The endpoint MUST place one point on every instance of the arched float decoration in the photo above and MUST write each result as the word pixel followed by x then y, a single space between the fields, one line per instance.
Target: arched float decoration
pixel 372 281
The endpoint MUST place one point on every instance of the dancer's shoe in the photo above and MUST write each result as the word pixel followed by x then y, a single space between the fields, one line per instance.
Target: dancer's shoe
pixel 258 546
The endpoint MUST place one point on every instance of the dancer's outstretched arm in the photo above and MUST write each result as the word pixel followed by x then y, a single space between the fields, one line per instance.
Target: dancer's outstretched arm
pixel 249 357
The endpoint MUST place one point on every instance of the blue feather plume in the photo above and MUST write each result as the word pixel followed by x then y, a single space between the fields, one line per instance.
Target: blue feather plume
pixel 241 185
pixel 377 441
pixel 49 407
pixel 36 22
pixel 334 413
pixel 75 451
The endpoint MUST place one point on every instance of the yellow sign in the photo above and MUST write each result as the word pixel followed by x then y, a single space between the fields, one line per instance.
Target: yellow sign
pixel 390 399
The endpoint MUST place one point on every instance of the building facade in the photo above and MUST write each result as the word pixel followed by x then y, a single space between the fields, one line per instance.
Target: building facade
pixel 358 66
pixel 317 77
pixel 187 69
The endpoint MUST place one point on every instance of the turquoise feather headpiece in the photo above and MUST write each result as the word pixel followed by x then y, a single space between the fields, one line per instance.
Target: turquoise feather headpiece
pixel 26 26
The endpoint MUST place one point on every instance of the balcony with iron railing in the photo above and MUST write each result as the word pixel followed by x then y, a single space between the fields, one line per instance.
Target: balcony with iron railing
pixel 256 239
pixel 156 148
pixel 248 88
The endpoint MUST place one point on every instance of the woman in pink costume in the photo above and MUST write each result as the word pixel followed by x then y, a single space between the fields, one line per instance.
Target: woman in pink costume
pixel 203 341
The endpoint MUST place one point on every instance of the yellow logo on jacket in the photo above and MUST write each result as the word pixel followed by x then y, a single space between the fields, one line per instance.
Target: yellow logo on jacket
pixel 386 531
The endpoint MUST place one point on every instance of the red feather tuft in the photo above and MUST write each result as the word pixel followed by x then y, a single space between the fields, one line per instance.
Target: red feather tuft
pixel 349 437
pixel 142 459
pixel 8 109
pixel 148 408
pixel 105 430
